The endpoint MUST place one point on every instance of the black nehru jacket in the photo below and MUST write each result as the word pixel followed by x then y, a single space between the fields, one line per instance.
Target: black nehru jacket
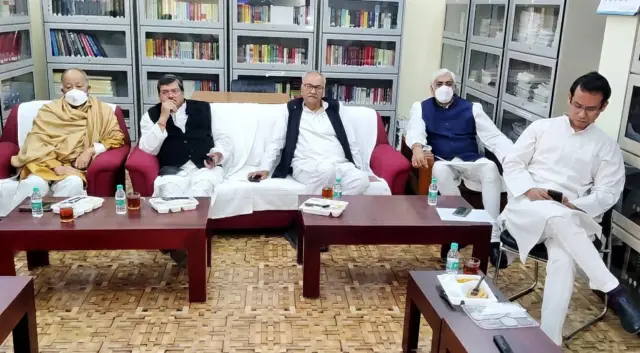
pixel 191 145
pixel 293 131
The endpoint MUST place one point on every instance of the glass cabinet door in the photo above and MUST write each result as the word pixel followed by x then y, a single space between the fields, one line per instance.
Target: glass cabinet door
pixel 17 87
pixel 376 92
pixel 488 18
pixel 183 47
pixel 629 137
pixel 273 15
pixel 512 121
pixel 635 63
pixel 488 103
pixel 379 17
pixel 264 50
pixel 456 19
pixel 104 12
pixel 14 12
pixel 483 68
pixel 535 26
pixel 529 83
pixel 363 54
pixel 183 13
pixel 111 83
pixel 453 57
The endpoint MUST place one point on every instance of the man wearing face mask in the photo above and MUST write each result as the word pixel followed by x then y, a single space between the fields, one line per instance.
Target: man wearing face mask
pixel 66 136
pixel 451 126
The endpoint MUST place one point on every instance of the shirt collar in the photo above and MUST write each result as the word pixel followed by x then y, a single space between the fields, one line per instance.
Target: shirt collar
pixel 565 118
pixel 183 108
pixel 451 104
pixel 325 105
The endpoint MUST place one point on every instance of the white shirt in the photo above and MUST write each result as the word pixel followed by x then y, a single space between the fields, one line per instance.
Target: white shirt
pixel 490 136
pixel 152 136
pixel 317 141
pixel 586 166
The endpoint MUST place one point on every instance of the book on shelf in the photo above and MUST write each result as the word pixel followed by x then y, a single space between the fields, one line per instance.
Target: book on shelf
pixel 352 94
pixel 11 47
pixel 360 56
pixel 75 43
pixel 10 8
pixel 346 18
pixel 271 54
pixel 108 8
pixel 179 10
pixel 189 86
pixel 292 89
pixel 10 96
pixel 103 86
pixel 272 14
pixel 183 50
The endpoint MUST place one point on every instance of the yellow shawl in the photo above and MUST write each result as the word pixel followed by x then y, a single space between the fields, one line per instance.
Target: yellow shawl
pixel 60 133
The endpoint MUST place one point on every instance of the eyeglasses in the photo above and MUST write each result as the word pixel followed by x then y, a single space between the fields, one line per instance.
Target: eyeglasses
pixel 310 87
pixel 587 110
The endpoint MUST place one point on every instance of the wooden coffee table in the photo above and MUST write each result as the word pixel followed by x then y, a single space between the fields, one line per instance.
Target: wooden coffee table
pixel 18 313
pixel 380 220
pixel 103 229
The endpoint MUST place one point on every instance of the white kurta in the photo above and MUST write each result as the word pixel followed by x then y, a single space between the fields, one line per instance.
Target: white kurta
pixel 191 181
pixel 319 157
pixel 483 171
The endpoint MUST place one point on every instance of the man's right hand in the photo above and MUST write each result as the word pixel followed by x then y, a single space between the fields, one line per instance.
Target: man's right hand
pixel 262 174
pixel 537 194
pixel 166 109
pixel 420 158
pixel 65 170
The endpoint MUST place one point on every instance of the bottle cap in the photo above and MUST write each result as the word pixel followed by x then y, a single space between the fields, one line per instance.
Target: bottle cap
pixel 119 187
pixel 434 180
pixel 338 179
pixel 36 189
pixel 454 246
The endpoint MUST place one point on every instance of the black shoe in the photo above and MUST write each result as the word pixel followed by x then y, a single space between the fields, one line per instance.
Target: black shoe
pixel 443 253
pixel 620 301
pixel 495 254
pixel 324 248
pixel 180 257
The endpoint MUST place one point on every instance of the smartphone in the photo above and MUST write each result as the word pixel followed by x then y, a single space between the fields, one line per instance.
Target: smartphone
pixel 255 179
pixel 26 207
pixel 555 195
pixel 462 211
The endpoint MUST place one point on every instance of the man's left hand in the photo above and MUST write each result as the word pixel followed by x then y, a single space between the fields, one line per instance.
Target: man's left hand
pixel 216 157
pixel 372 179
pixel 84 159
pixel 566 202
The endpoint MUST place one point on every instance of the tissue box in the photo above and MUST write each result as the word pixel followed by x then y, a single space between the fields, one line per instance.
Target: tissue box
pixel 324 207
pixel 457 292
pixel 164 206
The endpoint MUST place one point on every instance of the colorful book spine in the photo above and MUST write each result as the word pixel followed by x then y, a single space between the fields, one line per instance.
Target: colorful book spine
pixel 357 95
pixel 338 55
pixel 75 43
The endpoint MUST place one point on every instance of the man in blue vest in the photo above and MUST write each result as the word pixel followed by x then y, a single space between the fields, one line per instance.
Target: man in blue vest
pixel 447 127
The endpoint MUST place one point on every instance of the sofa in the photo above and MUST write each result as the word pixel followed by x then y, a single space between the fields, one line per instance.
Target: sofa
pixel 238 204
pixel 104 173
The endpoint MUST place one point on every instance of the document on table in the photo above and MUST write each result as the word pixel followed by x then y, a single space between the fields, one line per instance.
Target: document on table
pixel 477 216
pixel 618 7
pixel 460 162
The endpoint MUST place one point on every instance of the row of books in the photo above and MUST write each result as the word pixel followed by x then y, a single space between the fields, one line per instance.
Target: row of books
pixel 353 94
pixel 75 43
pixel 190 86
pixel 182 10
pixel 292 89
pixel 14 8
pixel 111 8
pixel 363 19
pixel 103 86
pixel 175 49
pixel 271 54
pixel 360 56
pixel 281 15
pixel 11 46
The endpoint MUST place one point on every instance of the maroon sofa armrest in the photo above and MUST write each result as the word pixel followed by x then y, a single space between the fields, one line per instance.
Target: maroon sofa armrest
pixel 390 165
pixel 7 150
pixel 107 171
pixel 143 170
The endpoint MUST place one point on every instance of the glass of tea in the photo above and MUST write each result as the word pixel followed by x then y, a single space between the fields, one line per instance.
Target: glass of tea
pixel 327 192
pixel 133 201
pixel 66 213
pixel 471 266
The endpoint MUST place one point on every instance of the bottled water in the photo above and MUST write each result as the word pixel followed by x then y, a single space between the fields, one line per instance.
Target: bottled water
pixel 36 203
pixel 337 189
pixel 453 259
pixel 433 192
pixel 121 200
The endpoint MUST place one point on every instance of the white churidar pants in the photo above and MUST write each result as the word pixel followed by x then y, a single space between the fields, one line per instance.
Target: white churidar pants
pixel 317 176
pixel 192 181
pixel 568 245
pixel 482 171
pixel 71 185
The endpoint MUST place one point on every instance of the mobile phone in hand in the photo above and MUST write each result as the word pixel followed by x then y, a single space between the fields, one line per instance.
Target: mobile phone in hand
pixel 462 211
pixel 555 195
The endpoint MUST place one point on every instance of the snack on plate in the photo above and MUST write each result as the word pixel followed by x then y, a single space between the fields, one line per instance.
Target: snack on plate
pixel 465 280
pixel 482 294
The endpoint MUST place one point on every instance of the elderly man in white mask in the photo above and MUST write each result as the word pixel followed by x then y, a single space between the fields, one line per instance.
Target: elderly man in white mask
pixel 451 126
pixel 570 155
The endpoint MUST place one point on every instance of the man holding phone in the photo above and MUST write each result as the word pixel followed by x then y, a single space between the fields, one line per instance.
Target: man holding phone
pixel 563 174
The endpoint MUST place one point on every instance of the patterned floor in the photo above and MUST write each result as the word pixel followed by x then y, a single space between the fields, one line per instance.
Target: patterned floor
pixel 136 301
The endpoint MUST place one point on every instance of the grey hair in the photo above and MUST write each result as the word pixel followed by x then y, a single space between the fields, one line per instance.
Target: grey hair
pixel 64 73
pixel 324 79
pixel 443 72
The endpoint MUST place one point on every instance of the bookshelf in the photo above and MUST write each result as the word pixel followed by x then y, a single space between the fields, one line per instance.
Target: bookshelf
pixel 16 61
pixel 185 38
pixel 97 37
pixel 360 48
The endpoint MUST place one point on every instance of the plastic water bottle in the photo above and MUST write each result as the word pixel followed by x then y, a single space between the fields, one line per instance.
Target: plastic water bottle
pixel 337 189
pixel 121 202
pixel 36 203
pixel 433 192
pixel 453 259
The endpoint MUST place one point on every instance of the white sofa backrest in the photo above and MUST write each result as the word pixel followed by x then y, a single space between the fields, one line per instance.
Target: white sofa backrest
pixel 364 123
pixel 27 112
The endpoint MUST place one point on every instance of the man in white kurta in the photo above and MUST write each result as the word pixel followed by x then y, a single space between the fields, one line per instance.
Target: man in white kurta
pixel 190 149
pixel 571 155
pixel 457 125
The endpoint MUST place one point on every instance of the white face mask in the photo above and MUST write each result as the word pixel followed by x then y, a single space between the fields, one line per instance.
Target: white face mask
pixel 444 94
pixel 76 97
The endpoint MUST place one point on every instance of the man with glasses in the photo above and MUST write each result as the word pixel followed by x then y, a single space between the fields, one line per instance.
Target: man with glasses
pixel 570 155
pixel 447 128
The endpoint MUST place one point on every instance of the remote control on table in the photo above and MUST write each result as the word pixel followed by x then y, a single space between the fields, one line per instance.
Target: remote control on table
pixel 502 344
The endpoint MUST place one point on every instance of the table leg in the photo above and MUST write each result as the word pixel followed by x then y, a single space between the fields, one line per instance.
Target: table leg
pixel 482 251
pixel 7 266
pixel 209 240
pixel 411 324
pixel 311 268
pixel 196 248
pixel 300 239
pixel 37 259
pixel 25 334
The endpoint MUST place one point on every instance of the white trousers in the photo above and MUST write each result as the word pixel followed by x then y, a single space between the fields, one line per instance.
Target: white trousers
pixel 317 176
pixel 568 245
pixel 483 171
pixel 71 185
pixel 192 181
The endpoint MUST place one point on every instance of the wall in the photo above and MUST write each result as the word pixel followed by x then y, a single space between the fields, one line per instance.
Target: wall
pixel 421 47
pixel 38 51
pixel 615 63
